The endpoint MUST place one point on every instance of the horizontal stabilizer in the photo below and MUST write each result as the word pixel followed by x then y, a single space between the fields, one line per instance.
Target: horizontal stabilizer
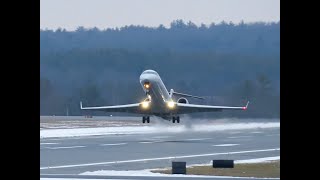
pixel 184 95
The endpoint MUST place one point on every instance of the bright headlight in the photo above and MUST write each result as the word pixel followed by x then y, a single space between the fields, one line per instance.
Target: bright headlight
pixel 171 104
pixel 145 104
pixel 146 85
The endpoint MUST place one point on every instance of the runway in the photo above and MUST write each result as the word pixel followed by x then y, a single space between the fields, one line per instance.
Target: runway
pixel 71 156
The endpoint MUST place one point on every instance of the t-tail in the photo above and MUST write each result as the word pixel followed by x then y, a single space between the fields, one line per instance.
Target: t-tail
pixel 172 92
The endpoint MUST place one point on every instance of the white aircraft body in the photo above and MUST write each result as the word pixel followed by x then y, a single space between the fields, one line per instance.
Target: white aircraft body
pixel 159 102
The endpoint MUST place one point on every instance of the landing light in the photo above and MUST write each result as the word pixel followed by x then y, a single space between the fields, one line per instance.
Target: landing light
pixel 146 85
pixel 171 104
pixel 145 104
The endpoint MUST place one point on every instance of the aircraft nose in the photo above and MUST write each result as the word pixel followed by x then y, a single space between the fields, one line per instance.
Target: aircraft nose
pixel 147 78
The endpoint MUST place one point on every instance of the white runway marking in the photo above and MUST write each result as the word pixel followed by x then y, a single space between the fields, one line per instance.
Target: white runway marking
pixel 68 147
pixel 200 139
pixel 82 137
pixel 117 144
pixel 239 137
pixel 149 142
pixel 47 143
pixel 156 159
pixel 160 137
pixel 256 132
pixel 223 145
pixel 273 135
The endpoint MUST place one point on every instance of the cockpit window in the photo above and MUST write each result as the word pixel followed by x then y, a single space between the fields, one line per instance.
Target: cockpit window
pixel 151 72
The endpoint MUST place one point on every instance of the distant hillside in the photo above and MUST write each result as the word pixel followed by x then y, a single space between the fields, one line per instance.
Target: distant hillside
pixel 255 38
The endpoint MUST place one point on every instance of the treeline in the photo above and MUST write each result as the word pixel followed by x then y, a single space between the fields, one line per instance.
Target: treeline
pixel 102 67
pixel 255 38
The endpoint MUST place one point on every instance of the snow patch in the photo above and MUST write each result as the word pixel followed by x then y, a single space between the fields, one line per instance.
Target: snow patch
pixel 141 173
pixel 120 173
pixel 258 160
pixel 147 172
pixel 55 133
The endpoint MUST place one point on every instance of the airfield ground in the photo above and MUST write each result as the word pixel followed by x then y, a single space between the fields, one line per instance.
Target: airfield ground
pixel 124 148
pixel 263 170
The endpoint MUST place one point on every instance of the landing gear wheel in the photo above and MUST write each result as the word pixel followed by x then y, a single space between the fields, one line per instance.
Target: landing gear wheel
pixel 173 119
pixel 178 119
pixel 143 119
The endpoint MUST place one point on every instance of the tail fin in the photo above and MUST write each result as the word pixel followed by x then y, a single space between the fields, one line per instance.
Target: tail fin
pixel 172 92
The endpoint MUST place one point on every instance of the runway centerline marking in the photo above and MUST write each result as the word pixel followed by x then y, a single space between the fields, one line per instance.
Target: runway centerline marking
pixel 160 141
pixel 156 159
pixel 116 144
pixel 48 143
pixel 67 147
pixel 239 137
pixel 81 137
pixel 149 142
pixel 160 137
pixel 235 132
pixel 199 139
pixel 224 145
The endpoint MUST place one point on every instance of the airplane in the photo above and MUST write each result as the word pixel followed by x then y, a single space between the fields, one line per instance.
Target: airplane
pixel 160 102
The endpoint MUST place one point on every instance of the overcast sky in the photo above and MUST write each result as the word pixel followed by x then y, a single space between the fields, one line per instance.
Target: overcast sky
pixel 70 14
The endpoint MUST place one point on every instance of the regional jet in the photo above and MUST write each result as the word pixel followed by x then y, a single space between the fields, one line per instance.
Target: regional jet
pixel 160 102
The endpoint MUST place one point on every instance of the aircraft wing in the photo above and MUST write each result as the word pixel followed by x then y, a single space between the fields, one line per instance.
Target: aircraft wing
pixel 193 108
pixel 127 108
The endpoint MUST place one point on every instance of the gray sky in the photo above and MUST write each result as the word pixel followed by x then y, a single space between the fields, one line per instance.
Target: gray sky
pixel 70 14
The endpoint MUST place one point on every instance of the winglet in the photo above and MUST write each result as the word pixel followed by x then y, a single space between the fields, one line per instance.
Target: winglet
pixel 244 108
pixel 80 104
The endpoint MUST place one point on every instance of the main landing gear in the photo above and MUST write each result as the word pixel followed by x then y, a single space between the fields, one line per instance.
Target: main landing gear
pixel 175 118
pixel 145 119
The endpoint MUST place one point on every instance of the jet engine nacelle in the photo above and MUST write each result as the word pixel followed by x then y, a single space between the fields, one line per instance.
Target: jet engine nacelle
pixel 183 100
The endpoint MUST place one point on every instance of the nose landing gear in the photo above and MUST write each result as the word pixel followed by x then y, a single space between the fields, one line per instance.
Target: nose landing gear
pixel 145 119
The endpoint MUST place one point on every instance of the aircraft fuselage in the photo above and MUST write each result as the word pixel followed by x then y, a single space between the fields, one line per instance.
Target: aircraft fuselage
pixel 157 93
